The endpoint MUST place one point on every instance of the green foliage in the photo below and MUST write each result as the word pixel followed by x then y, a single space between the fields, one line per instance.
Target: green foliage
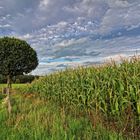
pixel 16 57
pixel 24 78
pixel 3 79
pixel 19 79
pixel 111 90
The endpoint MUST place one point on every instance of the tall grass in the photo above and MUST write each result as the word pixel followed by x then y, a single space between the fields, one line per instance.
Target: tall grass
pixel 93 103
pixel 111 91
pixel 34 119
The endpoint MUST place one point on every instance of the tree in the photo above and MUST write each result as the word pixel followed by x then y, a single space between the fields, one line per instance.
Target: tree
pixel 16 58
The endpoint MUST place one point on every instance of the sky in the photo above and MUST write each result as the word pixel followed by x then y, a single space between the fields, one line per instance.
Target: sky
pixel 71 33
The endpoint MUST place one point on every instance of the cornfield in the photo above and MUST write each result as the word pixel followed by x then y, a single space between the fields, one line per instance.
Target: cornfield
pixel 112 90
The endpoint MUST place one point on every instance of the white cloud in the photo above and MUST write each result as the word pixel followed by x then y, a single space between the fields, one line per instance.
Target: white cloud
pixel 5 26
pixel 27 36
pixel 44 4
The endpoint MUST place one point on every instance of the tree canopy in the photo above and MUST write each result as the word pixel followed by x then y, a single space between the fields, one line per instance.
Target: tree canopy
pixel 16 57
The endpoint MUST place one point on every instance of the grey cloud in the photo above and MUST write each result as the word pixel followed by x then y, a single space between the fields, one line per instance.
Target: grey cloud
pixel 31 15
pixel 93 9
pixel 14 6
pixel 120 18
pixel 22 13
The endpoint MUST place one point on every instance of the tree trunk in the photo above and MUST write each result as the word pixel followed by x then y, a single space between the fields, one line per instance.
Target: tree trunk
pixel 8 95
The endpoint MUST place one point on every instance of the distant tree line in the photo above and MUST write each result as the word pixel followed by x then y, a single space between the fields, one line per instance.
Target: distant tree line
pixel 19 79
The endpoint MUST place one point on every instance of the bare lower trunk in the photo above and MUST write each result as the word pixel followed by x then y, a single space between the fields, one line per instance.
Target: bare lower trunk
pixel 8 95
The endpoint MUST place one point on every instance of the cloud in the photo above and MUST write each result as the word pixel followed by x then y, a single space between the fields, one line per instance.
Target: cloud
pixel 31 15
pixel 85 30
pixel 87 52
pixel 94 9
pixel 120 18
pixel 44 4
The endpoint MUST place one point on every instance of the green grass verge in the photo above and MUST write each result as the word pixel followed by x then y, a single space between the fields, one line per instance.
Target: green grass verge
pixel 21 87
pixel 35 119
pixel 13 85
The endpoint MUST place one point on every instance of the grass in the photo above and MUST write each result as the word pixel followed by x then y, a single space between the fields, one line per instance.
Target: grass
pixel 77 104
pixel 20 87
pixel 34 119
pixel 14 85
